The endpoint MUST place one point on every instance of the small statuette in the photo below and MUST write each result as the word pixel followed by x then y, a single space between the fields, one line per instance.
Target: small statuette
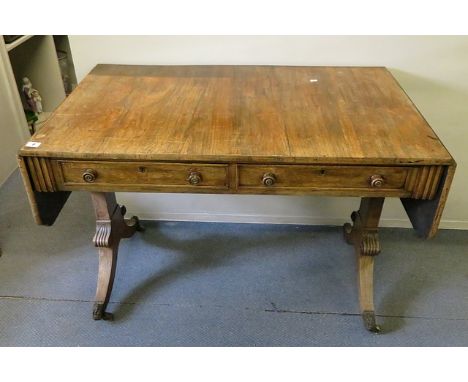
pixel 31 96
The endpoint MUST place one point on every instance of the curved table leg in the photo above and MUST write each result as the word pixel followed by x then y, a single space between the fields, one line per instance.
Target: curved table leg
pixel 363 235
pixel 110 228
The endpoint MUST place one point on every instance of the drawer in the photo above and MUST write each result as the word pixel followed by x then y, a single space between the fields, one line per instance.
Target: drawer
pixel 325 177
pixel 418 182
pixel 141 175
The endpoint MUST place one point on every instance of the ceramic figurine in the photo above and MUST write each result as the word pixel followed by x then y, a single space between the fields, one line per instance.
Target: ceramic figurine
pixel 32 97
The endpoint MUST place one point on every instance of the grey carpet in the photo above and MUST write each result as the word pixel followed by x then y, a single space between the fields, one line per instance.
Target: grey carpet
pixel 208 284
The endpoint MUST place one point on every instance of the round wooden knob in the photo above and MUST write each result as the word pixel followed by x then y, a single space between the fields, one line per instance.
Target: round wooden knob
pixel 269 179
pixel 194 178
pixel 376 181
pixel 89 176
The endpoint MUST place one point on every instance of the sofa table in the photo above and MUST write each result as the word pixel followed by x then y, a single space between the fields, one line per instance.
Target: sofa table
pixel 343 131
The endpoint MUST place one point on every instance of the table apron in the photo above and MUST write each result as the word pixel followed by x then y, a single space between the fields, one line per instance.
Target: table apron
pixel 50 175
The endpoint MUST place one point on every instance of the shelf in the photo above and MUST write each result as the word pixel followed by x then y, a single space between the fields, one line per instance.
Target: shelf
pixel 35 57
pixel 37 60
pixel 17 42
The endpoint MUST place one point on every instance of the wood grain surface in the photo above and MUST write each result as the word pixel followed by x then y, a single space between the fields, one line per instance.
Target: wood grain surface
pixel 245 114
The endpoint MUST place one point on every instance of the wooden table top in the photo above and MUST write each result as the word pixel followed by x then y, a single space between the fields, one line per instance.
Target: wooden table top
pixel 274 114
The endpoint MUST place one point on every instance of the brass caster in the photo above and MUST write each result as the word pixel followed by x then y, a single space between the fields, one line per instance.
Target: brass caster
pixel 368 317
pixel 347 233
pixel 108 316
pixel 100 314
pixel 138 226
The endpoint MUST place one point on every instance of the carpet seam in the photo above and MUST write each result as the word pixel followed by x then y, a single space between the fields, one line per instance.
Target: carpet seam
pixel 274 310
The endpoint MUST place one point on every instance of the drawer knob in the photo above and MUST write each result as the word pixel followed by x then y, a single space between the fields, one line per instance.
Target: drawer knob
pixel 269 179
pixel 376 181
pixel 89 176
pixel 194 178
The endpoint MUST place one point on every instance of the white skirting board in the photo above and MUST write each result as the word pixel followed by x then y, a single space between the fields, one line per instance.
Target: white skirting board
pixel 294 220
pixel 300 210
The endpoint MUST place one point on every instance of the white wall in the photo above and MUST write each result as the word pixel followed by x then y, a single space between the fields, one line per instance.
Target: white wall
pixel 12 132
pixel 432 70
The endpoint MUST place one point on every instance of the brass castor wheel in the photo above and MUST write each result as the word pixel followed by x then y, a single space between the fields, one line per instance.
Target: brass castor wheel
pixel 369 322
pixel 100 314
